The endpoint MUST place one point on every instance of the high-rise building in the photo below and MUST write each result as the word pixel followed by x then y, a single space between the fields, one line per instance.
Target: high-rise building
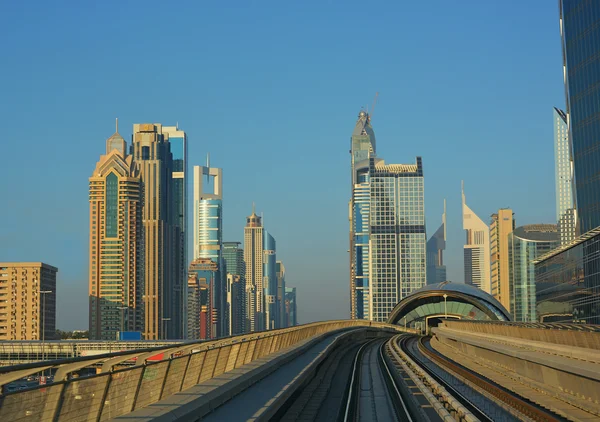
pixel 179 201
pixel 291 310
pixel 253 257
pixel 233 255
pixel 116 261
pixel 27 301
pixel 563 164
pixel 397 256
pixel 581 57
pixel 476 248
pixel 281 294
pixel 151 151
pixel 387 228
pixel 208 233
pixel 436 270
pixel 235 310
pixel 202 316
pixel 502 225
pixel 270 281
pixel 525 245
pixel 362 147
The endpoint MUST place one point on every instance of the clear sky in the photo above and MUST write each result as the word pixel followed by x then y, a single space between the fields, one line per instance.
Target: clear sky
pixel 272 90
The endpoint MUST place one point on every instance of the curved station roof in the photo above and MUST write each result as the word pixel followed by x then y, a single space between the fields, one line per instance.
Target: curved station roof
pixel 462 301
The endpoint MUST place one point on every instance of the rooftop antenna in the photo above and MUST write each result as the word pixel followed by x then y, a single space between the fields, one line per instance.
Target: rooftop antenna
pixel 253 208
pixel 208 166
pixel 117 124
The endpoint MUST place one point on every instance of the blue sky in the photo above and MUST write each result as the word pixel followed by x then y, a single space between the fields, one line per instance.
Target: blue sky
pixel 272 90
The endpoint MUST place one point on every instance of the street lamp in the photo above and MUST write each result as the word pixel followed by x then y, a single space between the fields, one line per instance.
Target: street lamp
pixel 165 327
pixel 445 306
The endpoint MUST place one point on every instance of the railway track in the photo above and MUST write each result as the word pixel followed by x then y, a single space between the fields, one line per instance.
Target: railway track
pixel 486 400
pixel 373 394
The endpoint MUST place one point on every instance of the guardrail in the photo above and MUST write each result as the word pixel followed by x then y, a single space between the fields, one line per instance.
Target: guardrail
pixel 119 389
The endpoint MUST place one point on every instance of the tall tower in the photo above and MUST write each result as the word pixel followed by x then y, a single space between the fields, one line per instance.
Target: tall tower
pixel 179 202
pixel 476 249
pixel 152 153
pixel 270 281
pixel 362 148
pixel 233 255
pixel 253 257
pixel 503 223
pixel 436 270
pixel 565 205
pixel 281 294
pixel 208 233
pixel 116 263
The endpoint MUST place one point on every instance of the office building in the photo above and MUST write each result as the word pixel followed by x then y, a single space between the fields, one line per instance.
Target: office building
pixel 563 164
pixel 436 270
pixel 253 258
pixel 203 320
pixel 27 301
pixel 362 147
pixel 476 248
pixel 503 223
pixel 233 255
pixel 151 151
pixel 116 236
pixel 208 233
pixel 270 281
pixel 291 309
pixel 235 316
pixel 525 245
pixel 387 228
pixel 280 268
pixel 179 202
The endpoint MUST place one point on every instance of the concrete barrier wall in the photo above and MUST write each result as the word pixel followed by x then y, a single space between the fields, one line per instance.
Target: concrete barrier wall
pixel 122 390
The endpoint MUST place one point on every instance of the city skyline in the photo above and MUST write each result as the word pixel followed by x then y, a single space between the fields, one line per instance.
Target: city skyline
pixel 62 227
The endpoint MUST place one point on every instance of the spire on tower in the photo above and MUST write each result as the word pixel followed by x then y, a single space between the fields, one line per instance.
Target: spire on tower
pixel 117 125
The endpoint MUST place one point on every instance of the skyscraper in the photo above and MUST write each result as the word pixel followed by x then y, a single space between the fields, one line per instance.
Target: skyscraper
pixel 502 225
pixel 291 309
pixel 270 281
pixel 253 257
pixel 235 309
pixel 151 151
pixel 581 57
pixel 476 249
pixel 208 233
pixel 281 294
pixel 178 141
pixel 525 245
pixel 28 291
pixel 116 260
pixel 387 228
pixel 362 147
pixel 436 270
pixel 233 255
pixel 565 207
pixel 202 317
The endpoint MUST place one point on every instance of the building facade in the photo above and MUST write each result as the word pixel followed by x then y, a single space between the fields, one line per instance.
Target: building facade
pixel 563 166
pixel 179 202
pixel 116 240
pixel 233 255
pixel 151 150
pixel 476 249
pixel 208 234
pixel 503 223
pixel 253 258
pixel 525 245
pixel 280 268
pixel 387 228
pixel 235 316
pixel 291 310
pixel 397 256
pixel 580 37
pixel 27 301
pixel 436 245
pixel 203 292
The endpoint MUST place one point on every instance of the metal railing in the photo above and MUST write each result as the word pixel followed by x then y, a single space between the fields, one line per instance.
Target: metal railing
pixel 129 380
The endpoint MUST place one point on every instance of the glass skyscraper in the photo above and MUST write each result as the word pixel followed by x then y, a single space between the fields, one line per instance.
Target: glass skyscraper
pixel 436 270
pixel 387 228
pixel 233 255
pixel 525 244
pixel 565 208
pixel 270 281
pixel 476 248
